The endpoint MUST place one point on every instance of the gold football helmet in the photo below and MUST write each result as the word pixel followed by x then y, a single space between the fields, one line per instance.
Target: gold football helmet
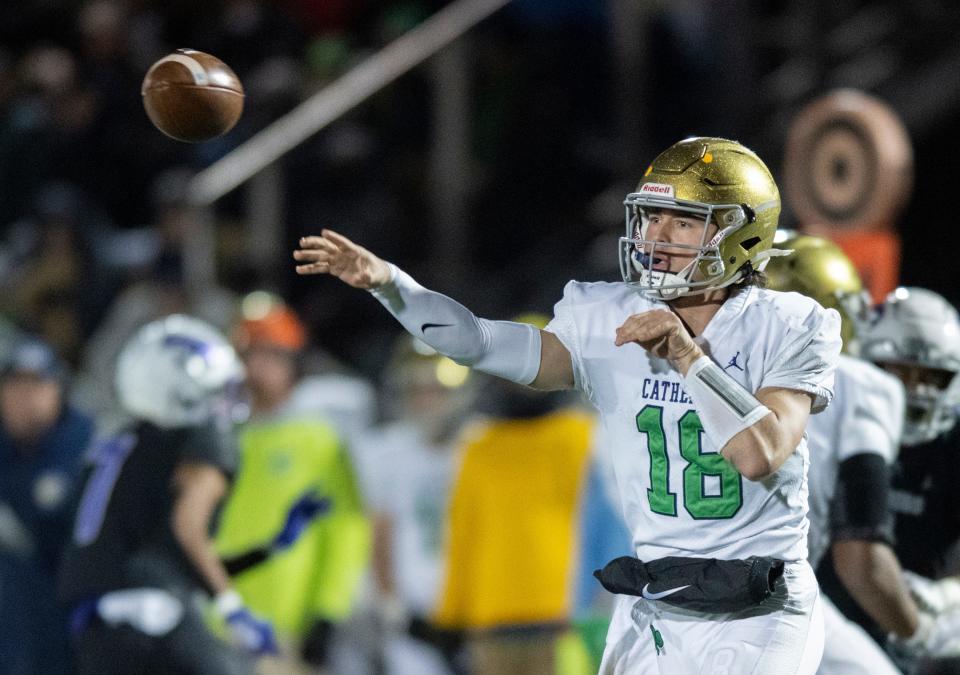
pixel 720 181
pixel 425 388
pixel 415 363
pixel 819 269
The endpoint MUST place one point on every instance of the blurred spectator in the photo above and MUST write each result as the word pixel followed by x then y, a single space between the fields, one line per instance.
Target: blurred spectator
pixel 103 32
pixel 41 99
pixel 53 282
pixel 129 151
pixel 413 463
pixel 265 47
pixel 320 16
pixel 247 33
pixel 285 452
pixel 42 443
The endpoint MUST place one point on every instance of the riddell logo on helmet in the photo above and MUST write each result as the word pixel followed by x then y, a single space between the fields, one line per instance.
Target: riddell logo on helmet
pixel 717 238
pixel 657 189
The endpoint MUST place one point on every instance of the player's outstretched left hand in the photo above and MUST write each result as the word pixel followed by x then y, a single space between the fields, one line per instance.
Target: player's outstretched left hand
pixel 661 333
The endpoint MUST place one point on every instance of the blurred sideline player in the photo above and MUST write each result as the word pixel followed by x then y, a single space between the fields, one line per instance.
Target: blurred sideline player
pixel 141 548
pixel 917 338
pixel 287 451
pixel 414 461
pixel 704 382
pixel 852 445
pixel 511 548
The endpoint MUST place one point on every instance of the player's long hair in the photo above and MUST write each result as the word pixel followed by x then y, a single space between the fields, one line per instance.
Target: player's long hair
pixel 752 277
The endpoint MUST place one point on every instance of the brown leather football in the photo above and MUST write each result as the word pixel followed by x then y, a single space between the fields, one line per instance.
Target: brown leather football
pixel 192 96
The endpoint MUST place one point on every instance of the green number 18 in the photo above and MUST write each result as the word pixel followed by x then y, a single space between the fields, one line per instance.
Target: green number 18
pixel 700 465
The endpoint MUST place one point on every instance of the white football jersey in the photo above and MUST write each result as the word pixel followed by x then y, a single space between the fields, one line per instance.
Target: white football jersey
pixel 679 496
pixel 866 416
pixel 410 482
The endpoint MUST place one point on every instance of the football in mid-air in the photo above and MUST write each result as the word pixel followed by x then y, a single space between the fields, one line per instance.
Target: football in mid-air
pixel 192 96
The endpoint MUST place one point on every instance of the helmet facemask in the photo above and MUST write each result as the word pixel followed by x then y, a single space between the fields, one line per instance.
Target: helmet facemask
pixel 706 269
pixel 932 398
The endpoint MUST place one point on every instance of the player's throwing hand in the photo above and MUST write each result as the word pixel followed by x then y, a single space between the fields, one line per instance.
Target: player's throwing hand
pixel 334 254
pixel 661 333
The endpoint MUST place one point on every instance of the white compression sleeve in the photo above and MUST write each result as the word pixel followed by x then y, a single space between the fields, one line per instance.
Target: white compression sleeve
pixel 725 408
pixel 503 348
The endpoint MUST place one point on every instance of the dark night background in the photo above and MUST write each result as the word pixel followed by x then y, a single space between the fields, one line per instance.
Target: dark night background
pixel 568 102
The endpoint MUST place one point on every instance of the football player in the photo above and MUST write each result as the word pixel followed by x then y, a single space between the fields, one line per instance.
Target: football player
pixel 141 547
pixel 704 382
pixel 852 445
pixel 413 464
pixel 916 336
pixel 42 441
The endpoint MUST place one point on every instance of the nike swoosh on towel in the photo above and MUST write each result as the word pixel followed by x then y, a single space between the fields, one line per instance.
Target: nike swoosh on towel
pixel 424 327
pixel 662 594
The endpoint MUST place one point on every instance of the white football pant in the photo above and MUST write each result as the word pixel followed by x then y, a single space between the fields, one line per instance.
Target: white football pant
pixel 781 636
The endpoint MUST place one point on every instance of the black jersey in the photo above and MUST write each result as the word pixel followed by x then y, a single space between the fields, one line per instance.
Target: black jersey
pixel 925 502
pixel 122 534
pixel 925 499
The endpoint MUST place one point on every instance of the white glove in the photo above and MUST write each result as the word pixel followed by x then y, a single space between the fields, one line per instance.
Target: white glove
pixel 934 596
pixel 936 636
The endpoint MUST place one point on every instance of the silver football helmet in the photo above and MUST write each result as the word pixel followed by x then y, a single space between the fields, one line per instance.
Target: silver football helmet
pixel 916 336
pixel 179 371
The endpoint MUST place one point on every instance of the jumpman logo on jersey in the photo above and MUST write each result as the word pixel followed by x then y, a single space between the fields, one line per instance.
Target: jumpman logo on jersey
pixel 733 362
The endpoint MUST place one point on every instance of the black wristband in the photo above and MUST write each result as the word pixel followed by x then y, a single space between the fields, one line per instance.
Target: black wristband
pixel 245 561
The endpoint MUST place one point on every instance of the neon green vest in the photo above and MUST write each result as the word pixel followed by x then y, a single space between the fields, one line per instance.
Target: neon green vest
pixel 318 576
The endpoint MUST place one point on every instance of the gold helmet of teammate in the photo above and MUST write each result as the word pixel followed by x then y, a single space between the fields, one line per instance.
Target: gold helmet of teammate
pixel 719 181
pixel 819 269
pixel 414 361
pixel 426 388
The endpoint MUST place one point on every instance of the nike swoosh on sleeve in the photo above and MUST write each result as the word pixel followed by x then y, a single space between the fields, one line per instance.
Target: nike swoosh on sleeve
pixel 424 327
pixel 647 595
